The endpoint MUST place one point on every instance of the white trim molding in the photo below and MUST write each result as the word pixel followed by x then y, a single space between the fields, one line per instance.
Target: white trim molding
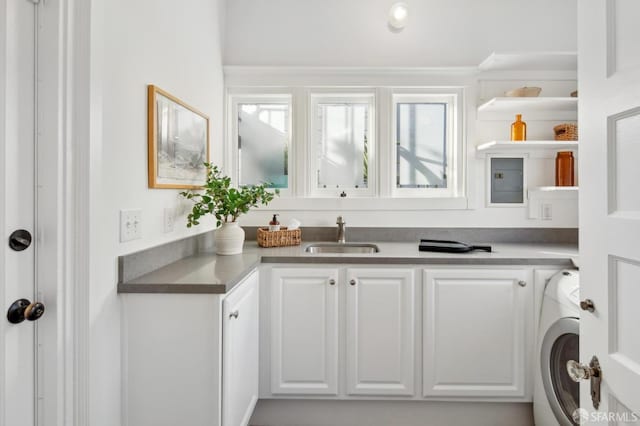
pixel 347 76
pixel 366 204
pixel 64 123
pixel 79 195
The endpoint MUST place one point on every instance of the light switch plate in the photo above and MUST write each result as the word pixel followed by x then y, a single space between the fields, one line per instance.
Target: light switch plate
pixel 547 211
pixel 130 225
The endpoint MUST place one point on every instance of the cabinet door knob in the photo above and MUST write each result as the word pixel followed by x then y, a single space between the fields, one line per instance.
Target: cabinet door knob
pixel 522 283
pixel 234 314
pixel 332 281
pixel 352 282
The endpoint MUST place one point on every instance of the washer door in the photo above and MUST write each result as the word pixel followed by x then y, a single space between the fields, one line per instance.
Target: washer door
pixel 561 344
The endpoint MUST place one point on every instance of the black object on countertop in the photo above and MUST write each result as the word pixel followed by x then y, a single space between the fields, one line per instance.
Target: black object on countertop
pixel 444 246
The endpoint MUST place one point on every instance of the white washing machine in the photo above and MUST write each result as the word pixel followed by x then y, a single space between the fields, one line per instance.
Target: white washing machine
pixel 556 396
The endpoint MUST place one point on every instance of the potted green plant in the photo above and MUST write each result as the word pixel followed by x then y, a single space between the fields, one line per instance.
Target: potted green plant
pixel 226 203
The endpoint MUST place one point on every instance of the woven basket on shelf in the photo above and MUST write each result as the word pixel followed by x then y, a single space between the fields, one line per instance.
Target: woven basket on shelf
pixel 566 132
pixel 524 92
pixel 280 238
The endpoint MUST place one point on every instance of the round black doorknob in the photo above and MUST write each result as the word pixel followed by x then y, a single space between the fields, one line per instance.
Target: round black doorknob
pixel 20 240
pixel 23 309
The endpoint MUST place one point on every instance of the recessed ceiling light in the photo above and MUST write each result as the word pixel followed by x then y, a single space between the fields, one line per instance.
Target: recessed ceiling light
pixel 398 15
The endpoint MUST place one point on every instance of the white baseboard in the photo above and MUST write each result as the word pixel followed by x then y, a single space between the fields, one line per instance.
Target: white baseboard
pixel 272 412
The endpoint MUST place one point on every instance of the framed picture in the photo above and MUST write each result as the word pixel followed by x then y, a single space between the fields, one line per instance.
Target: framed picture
pixel 178 138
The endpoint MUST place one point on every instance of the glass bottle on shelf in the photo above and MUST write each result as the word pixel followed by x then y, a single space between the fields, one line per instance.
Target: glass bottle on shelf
pixel 565 169
pixel 518 129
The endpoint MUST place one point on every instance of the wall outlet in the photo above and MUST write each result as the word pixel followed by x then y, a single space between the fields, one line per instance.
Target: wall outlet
pixel 130 225
pixel 547 211
pixel 169 219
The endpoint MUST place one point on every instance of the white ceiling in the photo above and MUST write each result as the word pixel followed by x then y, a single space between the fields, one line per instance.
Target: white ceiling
pixel 355 32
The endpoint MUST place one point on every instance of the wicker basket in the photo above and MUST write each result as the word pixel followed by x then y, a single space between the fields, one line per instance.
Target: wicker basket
pixel 280 238
pixel 566 132
pixel 524 92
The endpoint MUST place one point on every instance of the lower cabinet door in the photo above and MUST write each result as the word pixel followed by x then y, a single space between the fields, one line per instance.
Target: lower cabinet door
pixel 240 353
pixel 304 331
pixel 477 327
pixel 380 331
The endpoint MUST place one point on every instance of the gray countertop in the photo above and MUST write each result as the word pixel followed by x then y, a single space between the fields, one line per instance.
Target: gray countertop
pixel 207 273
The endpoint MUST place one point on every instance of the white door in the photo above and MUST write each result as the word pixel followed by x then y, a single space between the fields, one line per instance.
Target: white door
pixel 36 381
pixel 17 125
pixel 240 357
pixel 478 332
pixel 304 331
pixel 380 330
pixel 609 117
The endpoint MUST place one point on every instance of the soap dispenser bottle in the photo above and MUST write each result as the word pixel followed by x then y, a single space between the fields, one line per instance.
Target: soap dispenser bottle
pixel 274 225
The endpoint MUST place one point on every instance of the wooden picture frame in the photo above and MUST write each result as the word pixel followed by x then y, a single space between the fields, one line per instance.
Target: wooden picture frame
pixel 178 142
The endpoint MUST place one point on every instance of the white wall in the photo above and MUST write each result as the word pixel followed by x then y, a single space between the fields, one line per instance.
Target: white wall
pixel 176 46
pixel 355 33
pixel 440 33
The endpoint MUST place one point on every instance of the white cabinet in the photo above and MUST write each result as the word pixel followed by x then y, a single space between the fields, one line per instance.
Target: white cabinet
pixel 380 331
pixel 377 329
pixel 352 332
pixel 240 353
pixel 185 361
pixel 477 332
pixel 171 362
pixel 304 331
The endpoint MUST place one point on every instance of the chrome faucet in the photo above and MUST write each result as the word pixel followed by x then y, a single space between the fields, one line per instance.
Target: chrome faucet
pixel 341 232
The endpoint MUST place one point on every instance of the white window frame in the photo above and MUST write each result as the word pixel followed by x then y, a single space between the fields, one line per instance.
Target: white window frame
pixel 261 84
pixel 455 146
pixel 337 95
pixel 233 157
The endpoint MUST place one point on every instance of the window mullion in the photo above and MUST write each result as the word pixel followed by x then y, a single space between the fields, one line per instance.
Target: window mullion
pixel 385 160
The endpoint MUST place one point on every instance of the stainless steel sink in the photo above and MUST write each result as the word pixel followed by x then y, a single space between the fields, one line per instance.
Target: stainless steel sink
pixel 357 248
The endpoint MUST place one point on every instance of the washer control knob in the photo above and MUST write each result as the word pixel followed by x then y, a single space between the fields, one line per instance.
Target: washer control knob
pixel 587 305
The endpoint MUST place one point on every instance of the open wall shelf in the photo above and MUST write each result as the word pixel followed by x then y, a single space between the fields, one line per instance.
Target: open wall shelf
pixel 534 149
pixel 510 104
pixel 541 108
pixel 506 181
pixel 554 192
pixel 530 61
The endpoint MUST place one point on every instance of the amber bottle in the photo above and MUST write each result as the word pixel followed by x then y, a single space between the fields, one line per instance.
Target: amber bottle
pixel 519 129
pixel 565 169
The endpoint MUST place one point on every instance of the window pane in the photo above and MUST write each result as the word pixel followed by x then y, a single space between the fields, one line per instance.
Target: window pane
pixel 263 144
pixel 342 132
pixel 421 145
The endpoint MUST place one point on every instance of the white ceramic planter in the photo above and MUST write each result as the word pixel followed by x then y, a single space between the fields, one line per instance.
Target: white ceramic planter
pixel 229 239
